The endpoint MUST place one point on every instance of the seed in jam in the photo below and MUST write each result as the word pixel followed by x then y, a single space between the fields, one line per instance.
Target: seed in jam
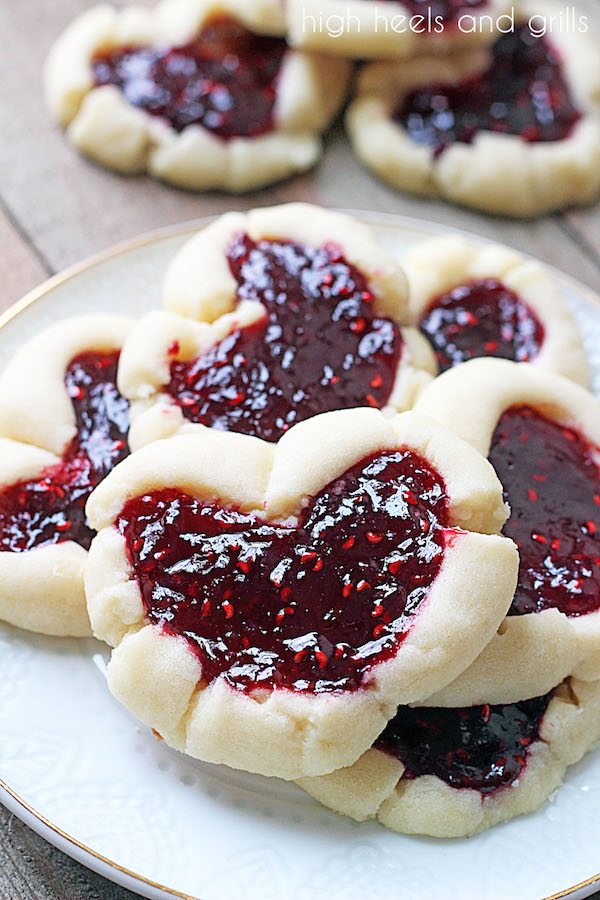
pixel 51 508
pixel 224 80
pixel 319 346
pixel 483 748
pixel 522 92
pixel 308 608
pixel 481 317
pixel 552 483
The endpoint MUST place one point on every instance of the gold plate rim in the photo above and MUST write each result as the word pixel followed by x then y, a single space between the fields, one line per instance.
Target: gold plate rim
pixel 386 220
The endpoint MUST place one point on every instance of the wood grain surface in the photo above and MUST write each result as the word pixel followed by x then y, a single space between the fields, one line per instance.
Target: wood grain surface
pixel 56 208
pixel 31 869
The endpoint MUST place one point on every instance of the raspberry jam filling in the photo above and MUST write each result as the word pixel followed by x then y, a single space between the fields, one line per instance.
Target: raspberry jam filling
pixel 484 748
pixel 319 346
pixel 449 11
pixel 310 607
pixel 51 508
pixel 224 80
pixel 552 484
pixel 481 318
pixel 522 92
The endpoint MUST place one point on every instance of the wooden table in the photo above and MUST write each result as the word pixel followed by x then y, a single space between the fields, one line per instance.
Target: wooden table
pixel 56 208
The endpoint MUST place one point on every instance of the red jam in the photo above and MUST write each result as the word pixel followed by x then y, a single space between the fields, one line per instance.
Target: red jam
pixel 522 92
pixel 318 347
pixel 51 509
pixel 449 11
pixel 224 80
pixel 483 748
pixel 481 318
pixel 309 608
pixel 552 484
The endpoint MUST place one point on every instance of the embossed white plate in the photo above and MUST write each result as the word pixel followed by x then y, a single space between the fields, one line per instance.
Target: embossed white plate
pixel 80 771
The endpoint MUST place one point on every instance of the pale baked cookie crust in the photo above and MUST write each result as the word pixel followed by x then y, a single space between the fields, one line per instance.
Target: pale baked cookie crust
pixel 104 126
pixel 535 651
pixel 35 407
pixel 364 29
pixel 373 786
pixel 284 732
pixel 199 284
pixel 41 589
pixel 497 173
pixel 438 266
pixel 145 368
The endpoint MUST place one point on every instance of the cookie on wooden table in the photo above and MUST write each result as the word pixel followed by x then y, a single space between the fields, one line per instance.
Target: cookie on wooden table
pixel 197 92
pixel 513 129
pixel 367 29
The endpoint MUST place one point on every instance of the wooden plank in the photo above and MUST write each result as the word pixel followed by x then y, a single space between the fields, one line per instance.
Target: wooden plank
pixel 31 868
pixel 584 224
pixel 20 267
pixel 584 227
pixel 73 208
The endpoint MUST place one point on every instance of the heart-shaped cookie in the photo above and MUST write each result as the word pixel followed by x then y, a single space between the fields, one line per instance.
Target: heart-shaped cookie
pixel 510 129
pixel 541 433
pixel 300 312
pixel 63 426
pixel 474 300
pixel 453 772
pixel 267 598
pixel 201 93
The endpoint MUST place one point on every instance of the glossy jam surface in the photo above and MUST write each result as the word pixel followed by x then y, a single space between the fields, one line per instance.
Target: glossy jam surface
pixel 449 11
pixel 319 346
pixel 310 607
pixel 552 484
pixel 481 318
pixel 50 509
pixel 224 80
pixel 523 92
pixel 479 747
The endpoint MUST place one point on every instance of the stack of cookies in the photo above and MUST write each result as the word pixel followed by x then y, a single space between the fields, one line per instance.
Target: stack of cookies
pixel 487 103
pixel 356 542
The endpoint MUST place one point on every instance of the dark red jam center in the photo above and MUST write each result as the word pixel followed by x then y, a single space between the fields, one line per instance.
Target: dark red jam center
pixel 481 318
pixel 225 79
pixel 522 92
pixel 318 347
pixel 51 509
pixel 310 607
pixel 449 11
pixel 479 747
pixel 552 484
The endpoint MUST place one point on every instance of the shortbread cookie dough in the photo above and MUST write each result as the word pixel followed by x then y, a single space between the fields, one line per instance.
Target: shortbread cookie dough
pixel 513 130
pixel 270 605
pixel 394 29
pixel 63 426
pixel 541 433
pixel 478 299
pixel 304 313
pixel 454 772
pixel 196 92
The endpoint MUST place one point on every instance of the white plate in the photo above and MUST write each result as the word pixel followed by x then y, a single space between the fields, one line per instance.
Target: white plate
pixel 80 771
